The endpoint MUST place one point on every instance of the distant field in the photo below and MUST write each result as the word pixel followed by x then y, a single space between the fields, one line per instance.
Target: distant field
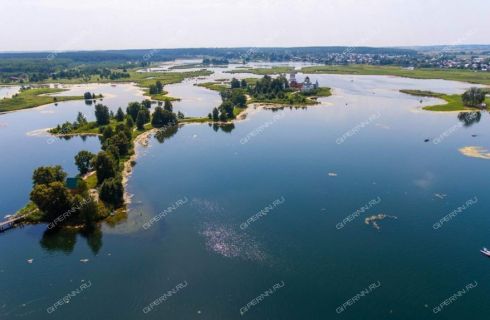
pixel 456 75
pixel 33 98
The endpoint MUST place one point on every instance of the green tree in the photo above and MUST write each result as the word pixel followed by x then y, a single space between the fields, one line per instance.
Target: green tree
pixel 83 161
pixel 107 132
pixel 87 96
pixel 125 129
pixel 102 114
pixel 168 106
pixel 112 192
pixel 238 99
pixel 133 109
pixel 120 115
pixel 140 120
pixel 129 122
pixel 159 86
pixel 227 108
pixel 81 120
pixel 146 103
pixel 120 141
pixel 87 210
pixel 45 175
pixel 105 166
pixel 163 118
pixel 473 97
pixel 53 199
pixel 235 83
pixel 215 114
pixel 152 89
pixel 243 83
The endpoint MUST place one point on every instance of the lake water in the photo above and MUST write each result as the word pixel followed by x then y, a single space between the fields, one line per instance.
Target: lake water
pixel 363 146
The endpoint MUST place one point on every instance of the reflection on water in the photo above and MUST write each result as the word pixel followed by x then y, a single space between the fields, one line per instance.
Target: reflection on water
pixel 469 118
pixel 65 239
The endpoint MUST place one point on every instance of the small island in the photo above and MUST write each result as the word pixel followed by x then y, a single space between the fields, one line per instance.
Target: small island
pixel 31 97
pixel 97 192
pixel 237 95
pixel 473 99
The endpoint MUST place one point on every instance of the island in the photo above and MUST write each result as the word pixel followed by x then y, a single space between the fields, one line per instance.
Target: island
pixel 472 100
pixel 30 97
pixel 273 92
pixel 98 192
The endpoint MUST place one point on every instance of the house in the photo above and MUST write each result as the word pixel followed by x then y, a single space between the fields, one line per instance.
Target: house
pixel 306 86
pixel 73 184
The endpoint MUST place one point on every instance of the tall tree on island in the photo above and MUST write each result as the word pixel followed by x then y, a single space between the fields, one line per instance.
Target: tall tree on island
pixel 83 161
pixel 120 115
pixel 168 106
pixel 102 115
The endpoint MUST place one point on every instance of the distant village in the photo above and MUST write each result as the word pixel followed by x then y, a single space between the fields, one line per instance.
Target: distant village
pixel 442 60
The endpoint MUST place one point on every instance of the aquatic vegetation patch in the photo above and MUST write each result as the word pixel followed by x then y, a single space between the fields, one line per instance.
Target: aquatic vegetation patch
pixel 373 220
pixel 475 152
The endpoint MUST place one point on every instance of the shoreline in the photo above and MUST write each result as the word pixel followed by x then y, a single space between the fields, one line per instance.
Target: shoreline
pixel 143 141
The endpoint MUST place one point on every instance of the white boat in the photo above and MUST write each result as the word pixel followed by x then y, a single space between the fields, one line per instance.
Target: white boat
pixel 485 252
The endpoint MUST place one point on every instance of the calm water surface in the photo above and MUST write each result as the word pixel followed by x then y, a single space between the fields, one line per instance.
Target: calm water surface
pixel 216 179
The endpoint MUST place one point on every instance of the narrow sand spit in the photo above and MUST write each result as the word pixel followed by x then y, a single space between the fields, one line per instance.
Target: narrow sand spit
pixel 142 140
pixel 475 152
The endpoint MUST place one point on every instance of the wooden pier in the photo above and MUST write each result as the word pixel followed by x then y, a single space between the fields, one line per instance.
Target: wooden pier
pixel 10 223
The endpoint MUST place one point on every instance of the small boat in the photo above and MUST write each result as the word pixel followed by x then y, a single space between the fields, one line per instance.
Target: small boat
pixel 485 252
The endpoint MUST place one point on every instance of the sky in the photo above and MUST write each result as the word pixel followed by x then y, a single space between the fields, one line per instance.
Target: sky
pixel 63 25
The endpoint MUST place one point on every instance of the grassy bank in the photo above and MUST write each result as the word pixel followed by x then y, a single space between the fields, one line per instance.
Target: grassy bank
pixel 34 97
pixel 453 101
pixel 456 75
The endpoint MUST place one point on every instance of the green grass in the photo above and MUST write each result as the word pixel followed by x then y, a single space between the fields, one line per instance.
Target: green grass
pixel 216 86
pixel 195 120
pixel 237 111
pixel 264 71
pixel 34 216
pixel 425 73
pixel 453 101
pixel 145 79
pixel 34 97
pixel 91 181
pixel 323 92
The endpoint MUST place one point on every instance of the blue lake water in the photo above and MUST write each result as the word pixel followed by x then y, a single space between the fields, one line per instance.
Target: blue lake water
pixel 300 159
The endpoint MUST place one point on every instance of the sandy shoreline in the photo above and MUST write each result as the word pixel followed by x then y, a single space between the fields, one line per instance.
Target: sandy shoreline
pixel 142 140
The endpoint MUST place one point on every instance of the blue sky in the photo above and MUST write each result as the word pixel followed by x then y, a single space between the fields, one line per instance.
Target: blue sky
pixel 119 24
